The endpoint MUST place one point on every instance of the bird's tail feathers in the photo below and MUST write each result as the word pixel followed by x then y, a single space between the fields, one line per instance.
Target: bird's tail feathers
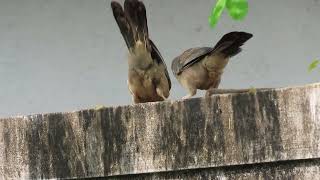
pixel 123 24
pixel 132 22
pixel 230 44
pixel 136 13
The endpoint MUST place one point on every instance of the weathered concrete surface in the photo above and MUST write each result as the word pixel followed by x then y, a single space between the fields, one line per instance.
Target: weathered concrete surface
pixel 231 129
pixel 288 170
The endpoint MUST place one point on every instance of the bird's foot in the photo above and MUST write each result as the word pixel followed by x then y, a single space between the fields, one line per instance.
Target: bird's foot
pixel 163 97
pixel 161 94
pixel 187 96
pixel 191 93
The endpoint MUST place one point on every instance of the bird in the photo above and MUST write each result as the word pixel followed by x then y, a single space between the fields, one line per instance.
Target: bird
pixel 148 77
pixel 202 67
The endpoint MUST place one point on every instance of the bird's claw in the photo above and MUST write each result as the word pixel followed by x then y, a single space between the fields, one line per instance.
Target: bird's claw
pixel 186 97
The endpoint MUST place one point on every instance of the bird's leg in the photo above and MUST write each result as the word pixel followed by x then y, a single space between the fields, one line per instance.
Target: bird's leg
pixel 129 87
pixel 162 88
pixel 160 93
pixel 135 99
pixel 192 92
pixel 187 96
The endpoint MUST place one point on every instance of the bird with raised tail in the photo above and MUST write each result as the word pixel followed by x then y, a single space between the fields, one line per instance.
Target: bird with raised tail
pixel 148 77
pixel 202 67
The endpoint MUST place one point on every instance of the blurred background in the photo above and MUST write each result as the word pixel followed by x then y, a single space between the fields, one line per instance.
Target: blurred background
pixel 65 55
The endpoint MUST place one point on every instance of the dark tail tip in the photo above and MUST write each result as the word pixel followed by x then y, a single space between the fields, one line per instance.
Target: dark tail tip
pixel 230 44
pixel 123 24
pixel 136 13
pixel 243 36
pixel 116 9
pixel 115 4
pixel 237 37
pixel 131 5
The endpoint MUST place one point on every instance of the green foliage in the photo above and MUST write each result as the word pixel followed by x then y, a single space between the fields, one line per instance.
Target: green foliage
pixel 216 12
pixel 313 65
pixel 238 9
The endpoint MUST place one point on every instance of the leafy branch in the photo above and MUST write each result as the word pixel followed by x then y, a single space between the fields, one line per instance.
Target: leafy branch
pixel 313 65
pixel 237 9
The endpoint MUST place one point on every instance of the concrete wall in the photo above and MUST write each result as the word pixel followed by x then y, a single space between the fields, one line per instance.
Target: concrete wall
pixel 58 55
pixel 273 134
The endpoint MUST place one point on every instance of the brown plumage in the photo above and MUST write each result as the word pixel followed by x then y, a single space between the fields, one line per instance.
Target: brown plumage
pixel 148 77
pixel 202 67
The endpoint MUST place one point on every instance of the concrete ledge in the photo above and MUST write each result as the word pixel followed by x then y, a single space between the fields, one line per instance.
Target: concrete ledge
pixel 298 169
pixel 226 130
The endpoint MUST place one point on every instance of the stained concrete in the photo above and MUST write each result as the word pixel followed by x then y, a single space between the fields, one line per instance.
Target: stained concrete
pixel 300 169
pixel 226 131
pixel 63 55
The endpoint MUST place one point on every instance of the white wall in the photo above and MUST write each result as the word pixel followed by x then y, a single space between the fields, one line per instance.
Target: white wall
pixel 63 55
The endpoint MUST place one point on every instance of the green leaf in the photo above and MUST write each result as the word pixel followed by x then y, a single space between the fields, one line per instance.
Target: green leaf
pixel 216 12
pixel 238 9
pixel 313 65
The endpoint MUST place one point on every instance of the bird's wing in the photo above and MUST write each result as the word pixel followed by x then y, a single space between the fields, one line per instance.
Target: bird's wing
pixel 188 58
pixel 155 54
